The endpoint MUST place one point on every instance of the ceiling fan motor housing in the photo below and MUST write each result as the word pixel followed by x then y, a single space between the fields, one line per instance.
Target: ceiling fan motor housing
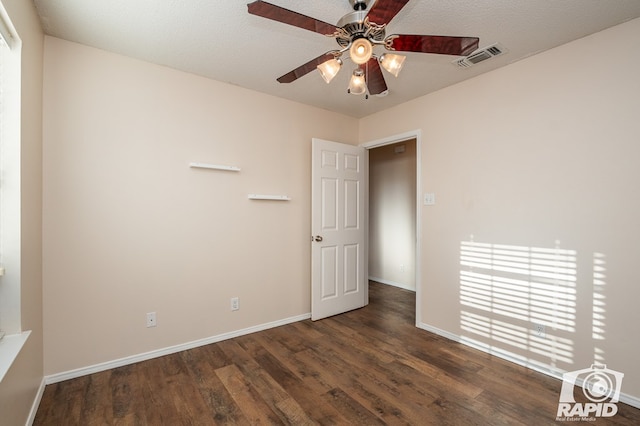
pixel 354 25
pixel 358 4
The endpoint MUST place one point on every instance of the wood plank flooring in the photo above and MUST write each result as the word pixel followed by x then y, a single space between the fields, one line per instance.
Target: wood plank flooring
pixel 371 366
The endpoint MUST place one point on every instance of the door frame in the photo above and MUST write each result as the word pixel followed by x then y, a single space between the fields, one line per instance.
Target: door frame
pixel 413 134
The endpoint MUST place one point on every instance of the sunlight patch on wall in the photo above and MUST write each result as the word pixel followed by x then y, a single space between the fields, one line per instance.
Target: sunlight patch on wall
pixel 599 302
pixel 506 290
pixel 598 319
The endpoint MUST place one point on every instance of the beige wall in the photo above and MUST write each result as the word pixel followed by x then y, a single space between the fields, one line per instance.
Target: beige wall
pixel 19 387
pixel 542 154
pixel 539 155
pixel 130 228
pixel 392 214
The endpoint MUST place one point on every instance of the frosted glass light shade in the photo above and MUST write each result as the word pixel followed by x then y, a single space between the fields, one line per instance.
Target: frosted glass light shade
pixel 361 51
pixel 329 69
pixel 392 63
pixel 357 84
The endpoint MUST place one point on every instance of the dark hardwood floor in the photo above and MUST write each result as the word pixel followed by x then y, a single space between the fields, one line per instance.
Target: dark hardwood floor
pixel 370 366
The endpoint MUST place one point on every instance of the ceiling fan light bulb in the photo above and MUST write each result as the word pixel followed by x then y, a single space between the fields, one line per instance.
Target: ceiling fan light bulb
pixel 329 69
pixel 361 51
pixel 357 84
pixel 392 62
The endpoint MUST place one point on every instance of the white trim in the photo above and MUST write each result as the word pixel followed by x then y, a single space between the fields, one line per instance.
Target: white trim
pixel 413 134
pixel 10 215
pixel 10 347
pixel 417 135
pixel 630 400
pixel 439 332
pixel 366 223
pixel 7 31
pixel 79 372
pixel 392 283
pixel 522 361
pixel 36 404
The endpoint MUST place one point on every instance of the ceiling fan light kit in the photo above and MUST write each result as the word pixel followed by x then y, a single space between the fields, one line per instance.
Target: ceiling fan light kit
pixel 392 63
pixel 329 69
pixel 357 84
pixel 360 51
pixel 358 33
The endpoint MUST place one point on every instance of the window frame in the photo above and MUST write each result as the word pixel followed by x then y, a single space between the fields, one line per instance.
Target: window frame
pixel 10 194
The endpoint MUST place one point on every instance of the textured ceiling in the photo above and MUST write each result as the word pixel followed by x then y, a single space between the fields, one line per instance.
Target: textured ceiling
pixel 218 39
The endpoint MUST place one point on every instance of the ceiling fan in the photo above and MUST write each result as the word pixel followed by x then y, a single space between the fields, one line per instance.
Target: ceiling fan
pixel 358 33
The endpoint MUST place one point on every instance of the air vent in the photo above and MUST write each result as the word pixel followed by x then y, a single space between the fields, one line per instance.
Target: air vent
pixel 480 56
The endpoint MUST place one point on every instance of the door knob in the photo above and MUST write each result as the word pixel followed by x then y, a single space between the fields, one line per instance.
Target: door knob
pixel 317 238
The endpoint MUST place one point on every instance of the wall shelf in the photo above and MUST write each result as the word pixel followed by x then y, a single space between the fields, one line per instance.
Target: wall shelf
pixel 269 197
pixel 214 167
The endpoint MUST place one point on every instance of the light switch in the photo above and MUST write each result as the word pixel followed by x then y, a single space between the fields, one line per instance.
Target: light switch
pixel 429 199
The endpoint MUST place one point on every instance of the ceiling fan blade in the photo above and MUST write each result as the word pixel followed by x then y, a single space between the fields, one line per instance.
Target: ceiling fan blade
pixel 444 45
pixel 305 68
pixel 286 16
pixel 374 77
pixel 383 11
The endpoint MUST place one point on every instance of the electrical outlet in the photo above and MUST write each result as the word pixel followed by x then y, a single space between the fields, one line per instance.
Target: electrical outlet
pixel 235 303
pixel 540 330
pixel 151 319
pixel 429 199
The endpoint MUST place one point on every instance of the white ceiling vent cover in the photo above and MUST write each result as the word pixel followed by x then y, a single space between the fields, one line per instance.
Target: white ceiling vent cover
pixel 481 55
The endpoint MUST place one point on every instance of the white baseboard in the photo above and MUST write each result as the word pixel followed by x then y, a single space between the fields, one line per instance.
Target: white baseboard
pixel 36 403
pixel 539 367
pixel 79 372
pixel 393 283
pixel 439 332
pixel 630 400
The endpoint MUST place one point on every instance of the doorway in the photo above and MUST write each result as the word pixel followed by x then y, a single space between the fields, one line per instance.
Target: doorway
pixel 394 214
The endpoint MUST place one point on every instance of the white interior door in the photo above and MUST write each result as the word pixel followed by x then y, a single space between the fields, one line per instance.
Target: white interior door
pixel 339 175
